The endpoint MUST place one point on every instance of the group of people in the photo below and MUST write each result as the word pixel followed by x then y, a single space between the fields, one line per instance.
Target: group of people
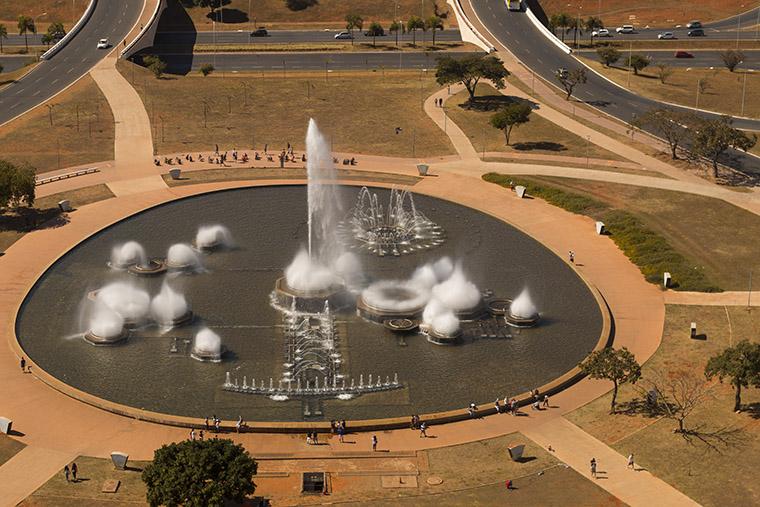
pixel 71 472
pixel 421 425
pixel 510 405
pixel 338 428
pixel 24 368
pixel 439 102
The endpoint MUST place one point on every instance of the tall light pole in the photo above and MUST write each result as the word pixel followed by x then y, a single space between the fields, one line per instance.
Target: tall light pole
pixel 744 90
pixel 630 51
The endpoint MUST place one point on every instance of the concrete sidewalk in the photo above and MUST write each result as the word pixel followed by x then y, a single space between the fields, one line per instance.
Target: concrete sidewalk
pixel 29 469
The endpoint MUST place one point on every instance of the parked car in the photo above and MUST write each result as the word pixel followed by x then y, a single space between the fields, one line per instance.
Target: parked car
pixel 260 32
pixel 666 35
pixel 602 32
pixel 683 54
pixel 103 44
pixel 694 24
pixel 344 35
pixel 696 33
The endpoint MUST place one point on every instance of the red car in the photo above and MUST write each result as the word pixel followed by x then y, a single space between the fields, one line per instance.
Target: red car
pixel 683 54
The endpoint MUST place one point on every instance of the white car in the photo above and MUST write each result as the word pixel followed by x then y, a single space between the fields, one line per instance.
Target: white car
pixel 344 35
pixel 103 44
pixel 625 29
pixel 666 35
pixel 602 32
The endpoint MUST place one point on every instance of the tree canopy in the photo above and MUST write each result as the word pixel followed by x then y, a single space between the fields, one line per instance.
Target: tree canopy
pixel 200 473
pixel 732 58
pixel 434 23
pixel 26 25
pixel 413 24
pixel 511 116
pixel 155 64
pixel 17 185
pixel 714 137
pixel 469 70
pixel 637 62
pixel 608 55
pixel 669 124
pixel 740 364
pixel 569 80
pixel 618 366
pixel 375 29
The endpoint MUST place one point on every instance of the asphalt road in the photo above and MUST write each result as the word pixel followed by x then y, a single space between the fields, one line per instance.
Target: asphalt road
pixel 701 58
pixel 111 18
pixel 527 43
pixel 749 18
pixel 229 62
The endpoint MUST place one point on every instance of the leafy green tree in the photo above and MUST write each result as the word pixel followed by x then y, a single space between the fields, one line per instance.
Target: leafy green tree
pixel 664 71
pixel 375 29
pixel 618 366
pixel 715 137
pixel 396 27
pixel 17 185
pixel 732 58
pixel 608 55
pixel 412 25
pixel 434 23
pixel 155 64
pixel 56 31
pixel 670 124
pixel 353 22
pixel 740 364
pixel 200 473
pixel 569 80
pixel 637 62
pixel 562 21
pixel 3 35
pixel 511 116
pixel 469 70
pixel 26 25
pixel 207 69
pixel 590 24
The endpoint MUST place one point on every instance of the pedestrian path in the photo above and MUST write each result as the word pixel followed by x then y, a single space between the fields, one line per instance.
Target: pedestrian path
pixel 29 469
pixel 458 138
pixel 728 298
pixel 575 447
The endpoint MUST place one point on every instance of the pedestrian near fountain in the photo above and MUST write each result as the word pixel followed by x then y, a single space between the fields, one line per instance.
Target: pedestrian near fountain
pixel 593 468
pixel 239 423
pixel 217 424
pixel 497 406
pixel 374 443
pixel 192 434
pixel 546 401
pixel 571 255
pixel 631 464
pixel 341 431
pixel 74 471
pixel 423 430
pixel 66 472
pixel 200 435
pixel 23 364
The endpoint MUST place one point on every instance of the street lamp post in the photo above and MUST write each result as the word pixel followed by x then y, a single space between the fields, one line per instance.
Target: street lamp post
pixel 744 90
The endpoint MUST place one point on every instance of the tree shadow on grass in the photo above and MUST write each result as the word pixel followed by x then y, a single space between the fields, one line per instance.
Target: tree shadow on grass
pixel 753 409
pixel 228 16
pixel 539 145
pixel 28 219
pixel 486 103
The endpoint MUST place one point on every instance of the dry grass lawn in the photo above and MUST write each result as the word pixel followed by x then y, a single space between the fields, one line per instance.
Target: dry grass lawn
pixel 7 78
pixel 382 44
pixel 538 136
pixel 697 227
pixel 64 11
pixel 662 13
pixel 8 448
pixel 723 93
pixel 47 147
pixel 320 13
pixel 726 476
pixel 269 173
pixel 358 111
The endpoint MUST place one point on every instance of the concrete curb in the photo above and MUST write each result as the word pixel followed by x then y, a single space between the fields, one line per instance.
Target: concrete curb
pixel 145 28
pixel 547 33
pixel 74 30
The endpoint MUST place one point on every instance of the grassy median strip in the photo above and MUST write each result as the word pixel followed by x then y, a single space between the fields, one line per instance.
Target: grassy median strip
pixel 383 45
pixel 646 248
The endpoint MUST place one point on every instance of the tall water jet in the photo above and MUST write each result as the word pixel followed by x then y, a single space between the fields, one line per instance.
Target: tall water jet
pixel 457 292
pixel 323 204
pixel 210 237
pixel 169 308
pixel 522 311
pixel 128 254
pixel 444 329
pixel 307 274
pixel 207 346
pixel 183 257
pixel 130 302
pixel 105 326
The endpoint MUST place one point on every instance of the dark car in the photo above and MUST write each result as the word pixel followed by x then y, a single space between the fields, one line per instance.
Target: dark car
pixel 694 24
pixel 697 32
pixel 683 54
pixel 259 32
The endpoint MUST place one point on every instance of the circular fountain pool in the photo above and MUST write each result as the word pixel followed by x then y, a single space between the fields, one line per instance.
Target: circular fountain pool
pixel 153 369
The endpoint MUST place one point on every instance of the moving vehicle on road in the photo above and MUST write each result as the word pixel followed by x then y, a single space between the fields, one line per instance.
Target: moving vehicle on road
pixel 602 32
pixel 666 35
pixel 344 35
pixel 683 54
pixel 625 29
pixel 514 5
pixel 698 32
pixel 103 44
pixel 260 32
pixel 694 24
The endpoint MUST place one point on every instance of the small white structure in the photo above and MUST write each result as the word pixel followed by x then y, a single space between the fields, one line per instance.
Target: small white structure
pixel 600 228
pixel 516 452
pixel 422 169
pixel 520 191
pixel 119 459
pixel 666 279
pixel 175 173
pixel 65 205
pixel 693 330
pixel 5 425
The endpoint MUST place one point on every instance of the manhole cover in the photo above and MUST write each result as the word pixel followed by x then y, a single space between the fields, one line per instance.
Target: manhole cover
pixel 434 480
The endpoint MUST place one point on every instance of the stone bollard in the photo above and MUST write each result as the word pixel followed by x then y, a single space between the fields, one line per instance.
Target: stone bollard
pixel 693 331
pixel 520 191
pixel 175 173
pixel 666 279
pixel 600 228
pixel 65 205
pixel 422 169
pixel 5 425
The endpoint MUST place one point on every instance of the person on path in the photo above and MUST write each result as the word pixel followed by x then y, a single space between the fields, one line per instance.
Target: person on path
pixel 66 472
pixel 593 468
pixel 571 255
pixel 192 434
pixel 341 431
pixel 374 443
pixel 315 438
pixel 630 462
pixel 200 435
pixel 74 471
pixel 546 401
pixel 23 364
pixel 497 406
pixel 239 423
pixel 423 430
pixel 206 423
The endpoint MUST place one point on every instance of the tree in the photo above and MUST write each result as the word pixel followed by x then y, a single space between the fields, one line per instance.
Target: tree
pixel 374 30
pixel 608 55
pixel 740 364
pixel 56 31
pixel 26 25
pixel 396 27
pixel 434 23
pixel 675 395
pixel 3 35
pixel 412 25
pixel 714 137
pixel 562 21
pixel 569 80
pixel 732 58
pixel 511 116
pixel 669 124
pixel 469 70
pixel 17 185
pixel 353 22
pixel 207 69
pixel 663 71
pixel 637 62
pixel 200 473
pixel 618 366
pixel 591 24
pixel 155 64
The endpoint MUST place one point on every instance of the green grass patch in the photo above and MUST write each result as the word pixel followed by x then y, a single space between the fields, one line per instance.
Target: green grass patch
pixel 646 248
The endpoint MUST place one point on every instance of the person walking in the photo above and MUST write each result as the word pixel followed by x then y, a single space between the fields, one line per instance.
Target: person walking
pixel 66 472
pixel 571 256
pixel 205 422
pixel 374 443
pixel 631 464
pixel 200 435
pixel 497 406
pixel 192 434
pixel 593 468
pixel 74 470
pixel 239 423
pixel 546 401
pixel 23 364
pixel 341 432
pixel 423 430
